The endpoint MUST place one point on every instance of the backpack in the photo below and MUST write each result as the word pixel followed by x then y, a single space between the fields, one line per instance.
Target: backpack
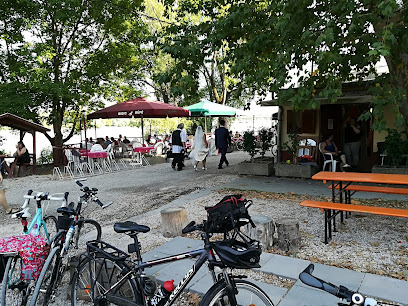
pixel 230 213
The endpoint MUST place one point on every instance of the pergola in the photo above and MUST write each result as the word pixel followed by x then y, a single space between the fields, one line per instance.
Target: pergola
pixel 24 126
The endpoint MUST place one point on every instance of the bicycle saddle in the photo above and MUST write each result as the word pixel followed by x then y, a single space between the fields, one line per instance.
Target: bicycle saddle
pixel 66 211
pixel 129 226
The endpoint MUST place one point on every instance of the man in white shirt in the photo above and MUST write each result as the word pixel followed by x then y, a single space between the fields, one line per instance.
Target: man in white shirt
pixel 178 141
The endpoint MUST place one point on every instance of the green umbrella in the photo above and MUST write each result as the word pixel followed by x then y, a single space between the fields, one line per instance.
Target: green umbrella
pixel 206 108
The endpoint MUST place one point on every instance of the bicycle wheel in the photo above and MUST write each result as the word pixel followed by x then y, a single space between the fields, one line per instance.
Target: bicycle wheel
pixel 240 145
pixel 94 276
pixel 86 230
pixel 51 224
pixel 248 294
pixel 274 150
pixel 47 282
pixel 14 291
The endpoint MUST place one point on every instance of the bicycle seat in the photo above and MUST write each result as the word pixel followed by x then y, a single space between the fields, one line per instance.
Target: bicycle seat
pixel 66 211
pixel 129 226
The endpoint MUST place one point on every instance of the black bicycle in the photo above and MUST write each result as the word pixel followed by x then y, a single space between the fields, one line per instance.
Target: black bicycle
pixel 351 297
pixel 72 229
pixel 107 275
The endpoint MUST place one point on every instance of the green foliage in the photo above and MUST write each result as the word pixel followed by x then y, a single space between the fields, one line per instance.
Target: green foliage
pixel 292 145
pixel 265 135
pixel 307 47
pixel 395 147
pixel 250 144
pixel 45 157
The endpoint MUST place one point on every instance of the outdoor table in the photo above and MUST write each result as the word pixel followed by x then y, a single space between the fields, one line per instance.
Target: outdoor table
pixel 143 150
pixel 94 155
pixel 341 180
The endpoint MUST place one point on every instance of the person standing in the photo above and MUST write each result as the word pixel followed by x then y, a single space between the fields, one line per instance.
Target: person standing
pixel 352 142
pixel 178 143
pixel 200 149
pixel 222 141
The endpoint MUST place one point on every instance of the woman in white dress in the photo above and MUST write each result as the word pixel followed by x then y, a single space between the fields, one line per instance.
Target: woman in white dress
pixel 200 149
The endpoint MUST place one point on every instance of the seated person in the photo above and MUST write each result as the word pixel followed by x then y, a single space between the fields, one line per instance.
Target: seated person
pixel 21 157
pixel 125 140
pixel 107 141
pixel 328 146
pixel 99 146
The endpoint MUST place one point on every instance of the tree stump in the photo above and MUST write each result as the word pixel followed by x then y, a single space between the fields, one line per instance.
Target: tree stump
pixel 288 235
pixel 173 221
pixel 263 231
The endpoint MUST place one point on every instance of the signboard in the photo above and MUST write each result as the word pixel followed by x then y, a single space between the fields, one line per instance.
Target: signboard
pixel 131 113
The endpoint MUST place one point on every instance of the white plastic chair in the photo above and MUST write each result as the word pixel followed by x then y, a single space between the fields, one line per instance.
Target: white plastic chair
pixel 328 160
pixel 158 148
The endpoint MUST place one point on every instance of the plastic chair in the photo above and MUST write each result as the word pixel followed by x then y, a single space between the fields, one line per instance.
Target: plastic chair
pixel 158 148
pixel 328 160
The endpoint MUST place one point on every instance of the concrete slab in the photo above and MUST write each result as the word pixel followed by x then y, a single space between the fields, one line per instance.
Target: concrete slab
pixel 337 276
pixel 390 289
pixel 179 245
pixel 202 285
pixel 152 255
pixel 284 266
pixel 275 293
pixel 307 296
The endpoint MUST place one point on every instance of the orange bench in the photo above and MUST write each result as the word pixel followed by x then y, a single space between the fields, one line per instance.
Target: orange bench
pixel 328 207
pixel 379 189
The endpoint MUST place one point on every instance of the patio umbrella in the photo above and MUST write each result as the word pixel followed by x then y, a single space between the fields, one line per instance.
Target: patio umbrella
pixel 210 109
pixel 140 108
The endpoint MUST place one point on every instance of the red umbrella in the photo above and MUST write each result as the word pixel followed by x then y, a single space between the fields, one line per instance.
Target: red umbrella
pixel 140 108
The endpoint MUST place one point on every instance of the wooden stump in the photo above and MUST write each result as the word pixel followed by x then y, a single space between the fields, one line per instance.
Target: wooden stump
pixel 173 221
pixel 263 231
pixel 288 235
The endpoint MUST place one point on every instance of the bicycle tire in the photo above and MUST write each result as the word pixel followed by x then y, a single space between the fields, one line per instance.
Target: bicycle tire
pixel 19 291
pixel 274 150
pixel 94 275
pixel 248 293
pixel 240 145
pixel 85 233
pixel 46 283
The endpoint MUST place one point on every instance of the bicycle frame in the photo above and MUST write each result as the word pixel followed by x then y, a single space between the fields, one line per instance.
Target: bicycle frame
pixel 204 255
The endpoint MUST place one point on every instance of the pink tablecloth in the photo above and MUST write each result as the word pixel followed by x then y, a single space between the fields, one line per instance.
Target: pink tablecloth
pixel 101 154
pixel 143 149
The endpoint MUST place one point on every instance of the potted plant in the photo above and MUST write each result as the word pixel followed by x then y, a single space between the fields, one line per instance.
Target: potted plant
pixel 396 150
pixel 265 135
pixel 292 168
pixel 256 166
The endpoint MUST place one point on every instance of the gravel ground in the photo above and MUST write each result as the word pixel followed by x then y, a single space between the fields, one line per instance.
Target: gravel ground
pixel 366 243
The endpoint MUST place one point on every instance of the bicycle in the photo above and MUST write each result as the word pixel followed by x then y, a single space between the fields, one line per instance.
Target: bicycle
pixel 351 297
pixel 70 226
pixel 15 291
pixel 107 276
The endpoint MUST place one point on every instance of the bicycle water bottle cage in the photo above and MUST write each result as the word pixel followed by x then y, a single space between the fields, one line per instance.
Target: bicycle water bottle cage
pixel 25 213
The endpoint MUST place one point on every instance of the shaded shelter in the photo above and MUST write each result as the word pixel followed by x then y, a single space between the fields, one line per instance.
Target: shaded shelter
pixel 140 108
pixel 210 109
pixel 24 126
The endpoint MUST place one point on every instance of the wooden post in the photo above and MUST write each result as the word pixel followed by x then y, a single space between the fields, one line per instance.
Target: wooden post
pixel 263 231
pixel 173 221
pixel 288 235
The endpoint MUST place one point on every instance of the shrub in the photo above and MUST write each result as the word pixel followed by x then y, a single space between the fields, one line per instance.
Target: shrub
pixel 250 144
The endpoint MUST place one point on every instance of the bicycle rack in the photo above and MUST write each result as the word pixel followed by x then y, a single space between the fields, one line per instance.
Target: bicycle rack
pixel 98 167
pixel 123 164
pixel 57 172
pixel 87 167
pixel 106 166
pixel 114 164
pixel 68 171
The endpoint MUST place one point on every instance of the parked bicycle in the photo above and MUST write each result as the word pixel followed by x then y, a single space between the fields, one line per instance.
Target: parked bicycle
pixel 15 291
pixel 352 298
pixel 73 229
pixel 108 276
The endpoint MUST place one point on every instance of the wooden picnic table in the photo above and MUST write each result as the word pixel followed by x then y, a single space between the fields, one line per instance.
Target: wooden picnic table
pixel 341 184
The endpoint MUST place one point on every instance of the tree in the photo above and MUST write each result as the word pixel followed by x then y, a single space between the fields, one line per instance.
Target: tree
pixel 200 68
pixel 311 47
pixel 58 57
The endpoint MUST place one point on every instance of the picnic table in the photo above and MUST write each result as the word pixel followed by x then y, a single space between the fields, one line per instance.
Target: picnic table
pixel 345 184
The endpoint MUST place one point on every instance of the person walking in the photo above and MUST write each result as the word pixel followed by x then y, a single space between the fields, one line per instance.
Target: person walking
pixel 222 141
pixel 200 149
pixel 178 143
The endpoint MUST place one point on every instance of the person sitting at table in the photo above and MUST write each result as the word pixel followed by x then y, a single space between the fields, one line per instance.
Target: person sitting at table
pixel 21 157
pixel 97 147
pixel 107 141
pixel 125 140
pixel 328 146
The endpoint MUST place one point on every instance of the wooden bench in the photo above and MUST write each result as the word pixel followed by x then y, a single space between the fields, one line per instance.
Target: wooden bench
pixel 379 189
pixel 332 209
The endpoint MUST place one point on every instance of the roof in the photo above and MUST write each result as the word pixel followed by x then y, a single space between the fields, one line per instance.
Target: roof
pixel 21 124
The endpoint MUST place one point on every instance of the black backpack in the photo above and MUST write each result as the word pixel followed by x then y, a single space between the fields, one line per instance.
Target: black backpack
pixel 230 213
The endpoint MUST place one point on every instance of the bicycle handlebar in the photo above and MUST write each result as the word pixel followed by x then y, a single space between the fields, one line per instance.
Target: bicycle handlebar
pixel 78 182
pixel 354 298
pixel 191 227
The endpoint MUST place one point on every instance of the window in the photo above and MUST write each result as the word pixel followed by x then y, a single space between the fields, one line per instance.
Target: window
pixel 301 122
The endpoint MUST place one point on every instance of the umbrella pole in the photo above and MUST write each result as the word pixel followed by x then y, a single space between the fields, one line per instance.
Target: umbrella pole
pixel 205 120
pixel 142 130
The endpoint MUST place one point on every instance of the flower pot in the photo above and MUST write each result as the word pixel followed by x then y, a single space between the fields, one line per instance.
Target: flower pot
pixel 260 166
pixel 292 170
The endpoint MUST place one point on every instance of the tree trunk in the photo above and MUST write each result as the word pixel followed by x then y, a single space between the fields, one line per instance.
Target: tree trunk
pixel 288 235
pixel 263 231
pixel 58 153
pixel 173 221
